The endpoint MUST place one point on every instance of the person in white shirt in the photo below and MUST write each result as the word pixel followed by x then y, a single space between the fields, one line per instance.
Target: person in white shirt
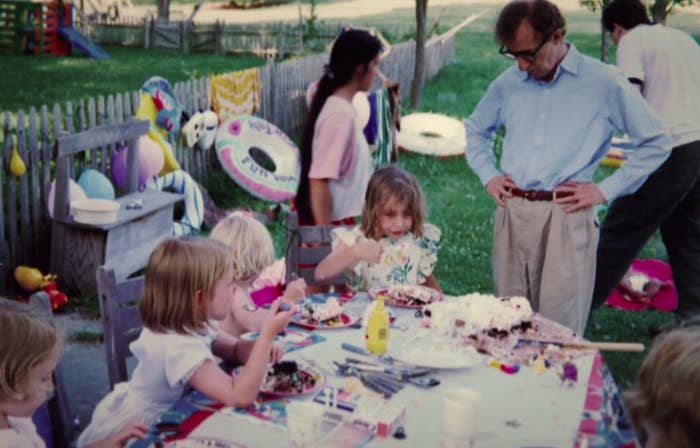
pixel 664 63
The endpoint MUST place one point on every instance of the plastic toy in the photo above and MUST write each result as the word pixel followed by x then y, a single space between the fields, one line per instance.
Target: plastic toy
pixel 259 157
pixel 159 106
pixel 31 280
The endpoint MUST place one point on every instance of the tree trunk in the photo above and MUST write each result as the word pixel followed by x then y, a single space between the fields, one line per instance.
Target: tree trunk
pixel 163 10
pixel 419 69
pixel 659 11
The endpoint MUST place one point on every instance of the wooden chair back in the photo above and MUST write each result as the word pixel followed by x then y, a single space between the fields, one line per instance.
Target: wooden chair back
pixel 63 419
pixel 307 246
pixel 121 321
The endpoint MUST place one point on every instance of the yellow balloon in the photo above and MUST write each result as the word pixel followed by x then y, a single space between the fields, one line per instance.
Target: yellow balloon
pixel 17 167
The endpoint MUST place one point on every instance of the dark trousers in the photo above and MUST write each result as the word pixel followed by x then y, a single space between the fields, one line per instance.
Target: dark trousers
pixel 669 200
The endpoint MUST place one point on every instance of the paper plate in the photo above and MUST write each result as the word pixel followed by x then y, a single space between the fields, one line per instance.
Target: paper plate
pixel 435 297
pixel 305 370
pixel 348 318
pixel 420 351
pixel 202 442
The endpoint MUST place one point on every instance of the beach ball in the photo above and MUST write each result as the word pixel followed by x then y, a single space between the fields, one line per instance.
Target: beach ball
pixel 151 161
pixel 75 193
pixel 96 185
pixel 361 104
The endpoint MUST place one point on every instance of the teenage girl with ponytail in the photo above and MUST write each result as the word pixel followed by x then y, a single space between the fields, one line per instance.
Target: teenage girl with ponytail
pixel 335 160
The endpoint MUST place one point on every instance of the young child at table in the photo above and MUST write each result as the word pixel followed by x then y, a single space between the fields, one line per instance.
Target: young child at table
pixel 392 245
pixel 29 352
pixel 188 286
pixel 253 252
pixel 665 403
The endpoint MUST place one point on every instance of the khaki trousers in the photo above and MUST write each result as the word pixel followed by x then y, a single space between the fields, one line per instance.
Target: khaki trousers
pixel 548 256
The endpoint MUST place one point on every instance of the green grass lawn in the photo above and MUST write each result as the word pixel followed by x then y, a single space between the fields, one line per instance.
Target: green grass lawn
pixel 457 202
pixel 60 79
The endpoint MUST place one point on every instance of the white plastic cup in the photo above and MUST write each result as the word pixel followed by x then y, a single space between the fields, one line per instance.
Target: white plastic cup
pixel 304 419
pixel 459 417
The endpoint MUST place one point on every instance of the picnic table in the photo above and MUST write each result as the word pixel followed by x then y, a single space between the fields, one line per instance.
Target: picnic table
pixel 516 409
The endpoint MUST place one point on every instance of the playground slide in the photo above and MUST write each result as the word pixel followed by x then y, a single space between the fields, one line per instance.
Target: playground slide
pixel 77 39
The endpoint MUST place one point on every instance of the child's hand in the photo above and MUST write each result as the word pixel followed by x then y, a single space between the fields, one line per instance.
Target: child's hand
pixel 136 429
pixel 276 320
pixel 276 353
pixel 369 250
pixel 296 290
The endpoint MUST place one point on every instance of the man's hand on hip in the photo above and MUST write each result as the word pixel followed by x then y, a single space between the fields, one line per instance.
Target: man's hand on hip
pixel 582 195
pixel 499 187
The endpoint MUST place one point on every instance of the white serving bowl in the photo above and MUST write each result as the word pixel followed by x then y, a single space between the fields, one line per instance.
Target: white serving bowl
pixel 94 211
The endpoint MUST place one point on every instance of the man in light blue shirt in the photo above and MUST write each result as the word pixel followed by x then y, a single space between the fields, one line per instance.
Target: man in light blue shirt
pixel 559 109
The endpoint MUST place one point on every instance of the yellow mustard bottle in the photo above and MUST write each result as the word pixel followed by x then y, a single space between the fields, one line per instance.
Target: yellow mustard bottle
pixel 377 336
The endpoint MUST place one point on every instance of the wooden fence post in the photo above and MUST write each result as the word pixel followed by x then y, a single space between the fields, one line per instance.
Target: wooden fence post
pixel 280 42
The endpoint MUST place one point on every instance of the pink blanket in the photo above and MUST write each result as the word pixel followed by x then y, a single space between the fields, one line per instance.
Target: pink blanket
pixel 666 299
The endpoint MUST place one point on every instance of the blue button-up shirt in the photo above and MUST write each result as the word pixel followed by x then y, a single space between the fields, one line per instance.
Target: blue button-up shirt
pixel 561 130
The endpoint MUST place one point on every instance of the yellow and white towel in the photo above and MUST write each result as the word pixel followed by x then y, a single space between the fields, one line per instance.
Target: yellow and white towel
pixel 235 93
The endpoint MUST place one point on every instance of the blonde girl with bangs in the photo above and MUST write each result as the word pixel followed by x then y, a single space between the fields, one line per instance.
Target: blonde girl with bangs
pixel 393 245
pixel 29 352
pixel 665 403
pixel 252 251
pixel 188 288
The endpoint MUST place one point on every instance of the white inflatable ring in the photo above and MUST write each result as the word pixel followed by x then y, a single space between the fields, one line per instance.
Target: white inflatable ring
pixel 432 134
pixel 181 182
pixel 241 140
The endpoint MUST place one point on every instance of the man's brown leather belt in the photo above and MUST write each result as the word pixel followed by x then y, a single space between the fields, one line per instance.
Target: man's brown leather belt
pixel 538 195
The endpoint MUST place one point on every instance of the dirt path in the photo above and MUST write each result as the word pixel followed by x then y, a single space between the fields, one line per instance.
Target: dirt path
pixel 348 9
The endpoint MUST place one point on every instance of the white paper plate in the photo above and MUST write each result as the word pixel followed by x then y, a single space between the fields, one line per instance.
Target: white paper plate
pixel 420 351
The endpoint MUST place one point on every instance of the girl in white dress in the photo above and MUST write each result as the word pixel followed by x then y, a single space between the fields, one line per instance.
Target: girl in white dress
pixel 29 351
pixel 188 284
pixel 392 245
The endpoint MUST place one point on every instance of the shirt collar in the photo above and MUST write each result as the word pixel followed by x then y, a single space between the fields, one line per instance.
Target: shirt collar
pixel 569 64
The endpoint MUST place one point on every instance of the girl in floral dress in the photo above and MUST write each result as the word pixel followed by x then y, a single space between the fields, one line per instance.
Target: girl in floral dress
pixel 392 245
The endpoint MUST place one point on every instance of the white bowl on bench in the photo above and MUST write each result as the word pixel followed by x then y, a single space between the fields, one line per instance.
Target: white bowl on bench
pixel 94 211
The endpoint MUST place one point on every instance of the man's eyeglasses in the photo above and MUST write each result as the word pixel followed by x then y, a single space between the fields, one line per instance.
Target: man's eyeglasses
pixel 527 55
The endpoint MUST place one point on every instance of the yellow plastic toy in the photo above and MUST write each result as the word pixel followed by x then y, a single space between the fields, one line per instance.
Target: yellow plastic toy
pixel 147 110
pixel 31 279
pixel 17 167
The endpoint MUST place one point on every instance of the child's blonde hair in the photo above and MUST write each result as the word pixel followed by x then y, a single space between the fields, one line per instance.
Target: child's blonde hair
pixel 392 184
pixel 178 270
pixel 248 241
pixel 667 395
pixel 25 343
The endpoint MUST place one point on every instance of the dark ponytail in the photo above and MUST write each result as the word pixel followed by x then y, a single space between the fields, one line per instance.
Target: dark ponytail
pixel 352 49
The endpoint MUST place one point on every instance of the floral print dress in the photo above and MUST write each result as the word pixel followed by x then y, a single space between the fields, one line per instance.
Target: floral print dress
pixel 405 261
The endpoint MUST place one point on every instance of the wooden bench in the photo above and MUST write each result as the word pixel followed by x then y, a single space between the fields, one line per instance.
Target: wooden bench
pixel 77 249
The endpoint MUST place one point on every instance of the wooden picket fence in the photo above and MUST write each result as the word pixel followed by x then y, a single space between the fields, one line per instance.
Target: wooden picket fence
pixel 274 40
pixel 25 230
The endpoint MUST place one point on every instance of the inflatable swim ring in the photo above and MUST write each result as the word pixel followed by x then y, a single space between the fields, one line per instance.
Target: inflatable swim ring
pixel 181 182
pixel 432 134
pixel 259 157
